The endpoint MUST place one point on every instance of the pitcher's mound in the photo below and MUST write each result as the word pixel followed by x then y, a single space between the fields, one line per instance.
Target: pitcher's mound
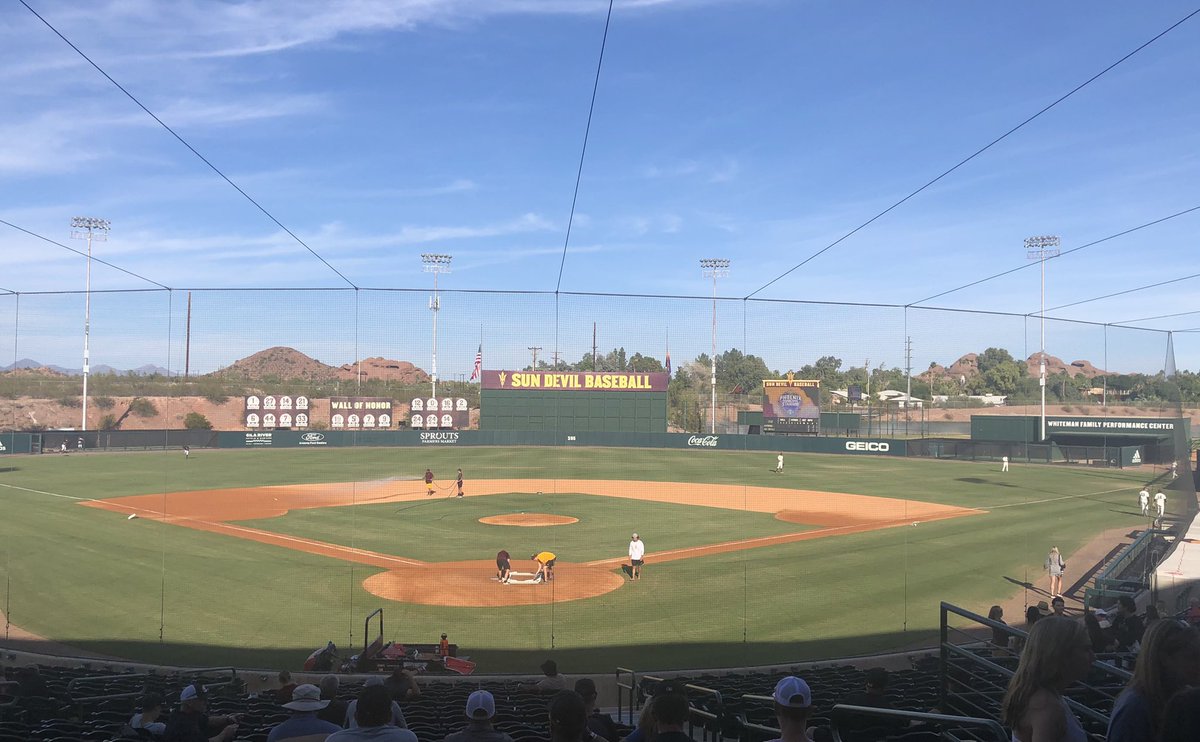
pixel 528 519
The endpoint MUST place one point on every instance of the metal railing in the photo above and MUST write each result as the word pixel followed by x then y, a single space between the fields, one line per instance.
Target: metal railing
pixel 622 688
pixel 1114 581
pixel 950 726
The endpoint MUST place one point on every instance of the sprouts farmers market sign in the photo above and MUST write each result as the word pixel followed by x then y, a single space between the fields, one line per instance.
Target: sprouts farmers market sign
pixel 584 381
pixel 1114 425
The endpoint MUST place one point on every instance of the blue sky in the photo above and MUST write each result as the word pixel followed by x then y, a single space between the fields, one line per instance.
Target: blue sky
pixel 757 130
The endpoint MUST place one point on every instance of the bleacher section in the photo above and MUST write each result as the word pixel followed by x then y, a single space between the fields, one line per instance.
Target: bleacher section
pixel 955 693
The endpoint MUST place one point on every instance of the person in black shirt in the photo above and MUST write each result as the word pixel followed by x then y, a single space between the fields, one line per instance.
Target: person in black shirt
pixel 191 722
pixel 873 695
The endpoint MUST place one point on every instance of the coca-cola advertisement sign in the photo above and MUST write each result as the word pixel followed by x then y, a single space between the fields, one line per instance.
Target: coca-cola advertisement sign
pixel 705 441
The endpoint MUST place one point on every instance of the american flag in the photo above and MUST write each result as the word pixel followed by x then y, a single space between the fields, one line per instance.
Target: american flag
pixel 475 372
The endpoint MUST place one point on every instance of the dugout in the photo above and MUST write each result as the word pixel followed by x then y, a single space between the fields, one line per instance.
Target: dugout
pixel 573 401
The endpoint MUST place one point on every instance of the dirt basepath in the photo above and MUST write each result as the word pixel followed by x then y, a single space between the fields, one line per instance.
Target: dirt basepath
pixel 470 583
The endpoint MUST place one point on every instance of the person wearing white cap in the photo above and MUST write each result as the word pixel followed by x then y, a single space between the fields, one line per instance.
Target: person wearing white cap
pixel 306 702
pixel 481 707
pixel 793 704
pixel 637 554
pixel 191 722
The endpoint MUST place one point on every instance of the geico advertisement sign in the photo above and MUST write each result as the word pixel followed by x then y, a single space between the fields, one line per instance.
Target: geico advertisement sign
pixel 439 437
pixel 868 446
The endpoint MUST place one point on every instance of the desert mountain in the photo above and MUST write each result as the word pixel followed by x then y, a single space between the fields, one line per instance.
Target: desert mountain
pixel 288 363
pixel 968 366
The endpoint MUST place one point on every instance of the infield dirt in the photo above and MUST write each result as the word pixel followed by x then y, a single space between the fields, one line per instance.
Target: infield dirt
pixel 471 583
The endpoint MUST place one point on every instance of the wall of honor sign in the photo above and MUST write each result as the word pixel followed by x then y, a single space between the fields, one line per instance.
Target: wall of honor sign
pixel 360 413
pixel 270 411
pixel 447 413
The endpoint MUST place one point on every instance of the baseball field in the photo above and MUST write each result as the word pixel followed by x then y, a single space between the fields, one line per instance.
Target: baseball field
pixel 255 558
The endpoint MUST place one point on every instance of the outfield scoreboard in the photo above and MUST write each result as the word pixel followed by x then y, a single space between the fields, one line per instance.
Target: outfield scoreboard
pixel 574 401
pixel 792 406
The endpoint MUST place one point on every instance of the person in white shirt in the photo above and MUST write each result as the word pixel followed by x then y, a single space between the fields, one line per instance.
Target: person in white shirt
pixel 1003 463
pixel 1144 501
pixel 637 554
pixel 779 463
pixel 1160 501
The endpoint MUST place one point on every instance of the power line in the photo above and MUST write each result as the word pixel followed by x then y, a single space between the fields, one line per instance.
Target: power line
pixel 977 152
pixel 185 143
pixel 1126 291
pixel 82 254
pixel 1158 316
pixel 586 131
pixel 1064 253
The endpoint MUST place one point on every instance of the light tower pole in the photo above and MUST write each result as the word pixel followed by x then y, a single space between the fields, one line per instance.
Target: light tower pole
pixel 436 264
pixel 1039 248
pixel 717 268
pixel 88 228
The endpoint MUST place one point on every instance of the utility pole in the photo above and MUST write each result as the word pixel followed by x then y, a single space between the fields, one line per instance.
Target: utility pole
pixel 716 268
pixel 534 349
pixel 593 346
pixel 436 264
pixel 1040 248
pixel 88 228
pixel 908 377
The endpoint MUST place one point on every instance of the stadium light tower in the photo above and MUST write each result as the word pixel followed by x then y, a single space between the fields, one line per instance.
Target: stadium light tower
pixel 88 228
pixel 717 268
pixel 436 264
pixel 1039 248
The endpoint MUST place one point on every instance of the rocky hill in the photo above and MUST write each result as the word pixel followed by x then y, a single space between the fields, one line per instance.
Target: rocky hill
pixel 968 366
pixel 282 363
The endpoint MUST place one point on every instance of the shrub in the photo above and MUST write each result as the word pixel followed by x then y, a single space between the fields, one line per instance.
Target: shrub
pixel 1067 408
pixel 142 407
pixel 109 422
pixel 103 402
pixel 196 421
pixel 70 402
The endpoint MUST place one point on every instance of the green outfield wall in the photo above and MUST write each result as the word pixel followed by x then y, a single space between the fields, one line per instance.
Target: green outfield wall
pixel 584 411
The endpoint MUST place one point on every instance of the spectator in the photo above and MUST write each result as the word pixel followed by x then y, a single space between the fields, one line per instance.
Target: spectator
pixel 1058 606
pixel 1169 661
pixel 1099 631
pixel 1193 611
pixel 374 710
pixel 1152 614
pixel 873 695
pixel 1058 653
pixel 335 712
pixel 568 718
pixel 481 707
pixel 306 702
pixel 645 728
pixel 1056 567
pixel 1181 718
pixel 147 718
pixel 671 711
pixel 600 725
pixel 397 717
pixel 191 722
pixel 793 704
pixel 999 636
pixel 552 682
pixel 1127 625
pixel 286 686
pixel 402 685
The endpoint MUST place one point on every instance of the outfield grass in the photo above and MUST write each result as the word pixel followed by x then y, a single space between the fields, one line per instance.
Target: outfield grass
pixel 168 594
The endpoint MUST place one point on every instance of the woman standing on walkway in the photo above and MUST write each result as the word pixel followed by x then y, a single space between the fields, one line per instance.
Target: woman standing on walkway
pixel 1055 566
pixel 1057 654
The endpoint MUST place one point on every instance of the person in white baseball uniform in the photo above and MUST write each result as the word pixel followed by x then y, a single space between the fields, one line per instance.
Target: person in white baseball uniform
pixel 1160 501
pixel 1003 463
pixel 779 463
pixel 637 553
pixel 1144 501
pixel 1174 470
